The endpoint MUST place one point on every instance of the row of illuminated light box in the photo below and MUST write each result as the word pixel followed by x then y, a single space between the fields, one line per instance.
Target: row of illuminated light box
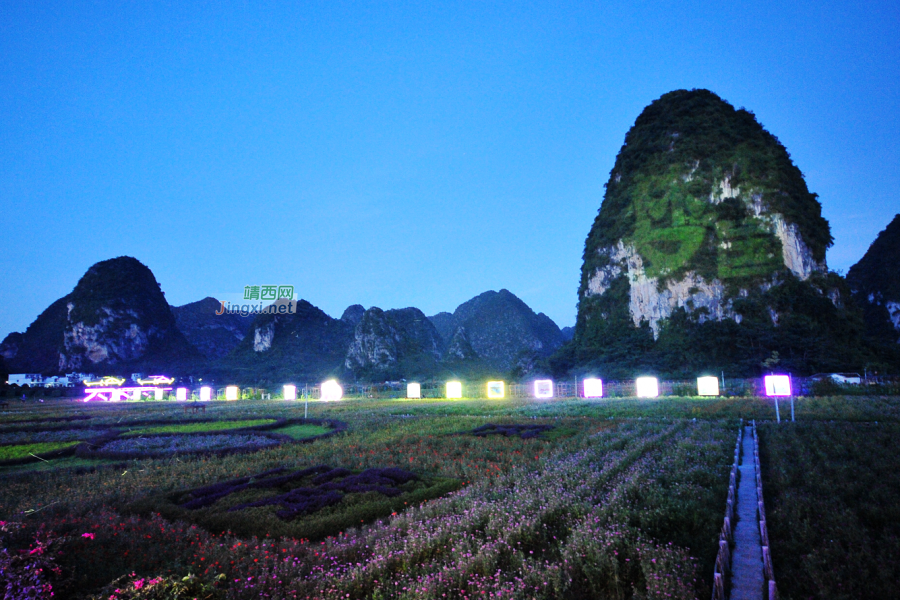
pixel 646 387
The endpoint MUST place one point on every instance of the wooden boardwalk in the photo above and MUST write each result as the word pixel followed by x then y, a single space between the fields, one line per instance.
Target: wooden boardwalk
pixel 747 579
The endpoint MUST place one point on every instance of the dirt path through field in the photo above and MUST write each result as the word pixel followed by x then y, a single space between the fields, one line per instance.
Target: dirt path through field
pixel 746 562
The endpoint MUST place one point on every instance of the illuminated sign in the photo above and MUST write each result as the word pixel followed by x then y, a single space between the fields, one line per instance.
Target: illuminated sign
pixel 290 392
pixel 105 382
pixel 205 394
pixel 413 390
pixel 454 390
pixel 181 394
pixel 647 387
pixel 708 386
pixel 543 388
pixel 120 394
pixel 232 392
pixel 593 388
pixel 495 389
pixel 778 385
pixel 157 380
pixel 332 390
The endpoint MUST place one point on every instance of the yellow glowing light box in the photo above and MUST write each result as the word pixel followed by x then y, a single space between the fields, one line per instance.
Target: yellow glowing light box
pixel 413 390
pixel 495 389
pixel 454 390
pixel 232 392
pixel 593 387
pixel 290 392
pixel 647 387
pixel 708 386
pixel 332 390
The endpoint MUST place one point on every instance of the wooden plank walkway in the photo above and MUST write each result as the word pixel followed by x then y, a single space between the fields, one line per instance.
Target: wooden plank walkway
pixel 747 580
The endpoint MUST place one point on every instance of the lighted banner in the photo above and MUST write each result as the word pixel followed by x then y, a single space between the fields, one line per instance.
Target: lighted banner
pixel 454 390
pixel 413 390
pixel 332 390
pixel 708 386
pixel 647 387
pixel 495 389
pixel 593 388
pixel 543 388
pixel 181 394
pixel 778 385
pixel 290 392
pixel 232 392
pixel 205 394
pixel 118 394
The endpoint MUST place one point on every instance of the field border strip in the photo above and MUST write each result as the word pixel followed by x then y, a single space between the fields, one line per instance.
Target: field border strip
pixel 768 568
pixel 722 569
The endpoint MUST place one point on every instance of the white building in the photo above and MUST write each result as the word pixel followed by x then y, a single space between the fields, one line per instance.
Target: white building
pixel 29 379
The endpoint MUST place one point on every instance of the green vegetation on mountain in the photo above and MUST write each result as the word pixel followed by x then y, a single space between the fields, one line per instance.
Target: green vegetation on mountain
pixel 675 158
pixel 708 253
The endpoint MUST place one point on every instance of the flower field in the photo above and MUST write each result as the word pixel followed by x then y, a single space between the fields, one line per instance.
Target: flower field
pixel 200 427
pixel 833 508
pixel 573 499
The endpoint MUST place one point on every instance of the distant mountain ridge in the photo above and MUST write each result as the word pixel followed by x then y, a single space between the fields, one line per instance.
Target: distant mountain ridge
pixel 116 320
pixel 212 334
pixel 499 328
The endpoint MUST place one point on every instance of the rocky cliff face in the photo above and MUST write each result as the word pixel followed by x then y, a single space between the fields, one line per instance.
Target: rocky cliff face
pixel 116 316
pixel 704 216
pixel 497 327
pixel 392 344
pixel 875 282
pixel 213 335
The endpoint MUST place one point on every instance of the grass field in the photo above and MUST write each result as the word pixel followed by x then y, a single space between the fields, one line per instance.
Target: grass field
pixel 833 506
pixel 618 498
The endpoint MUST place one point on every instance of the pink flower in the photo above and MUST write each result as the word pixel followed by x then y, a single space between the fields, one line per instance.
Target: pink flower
pixel 88 535
pixel 139 583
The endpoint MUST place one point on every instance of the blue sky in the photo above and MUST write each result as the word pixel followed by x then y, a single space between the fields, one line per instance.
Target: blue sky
pixel 393 153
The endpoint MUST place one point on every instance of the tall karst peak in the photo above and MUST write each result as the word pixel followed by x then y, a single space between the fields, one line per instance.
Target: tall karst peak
pixel 706 219
pixel 702 203
pixel 116 315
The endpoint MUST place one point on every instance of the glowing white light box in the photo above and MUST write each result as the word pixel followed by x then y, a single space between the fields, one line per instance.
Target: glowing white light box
pixel 290 392
pixel 205 393
pixel 413 390
pixel 158 394
pixel 181 394
pixel 708 386
pixel 332 390
pixel 495 389
pixel 543 388
pixel 454 390
pixel 593 388
pixel 647 387
pixel 778 385
pixel 232 392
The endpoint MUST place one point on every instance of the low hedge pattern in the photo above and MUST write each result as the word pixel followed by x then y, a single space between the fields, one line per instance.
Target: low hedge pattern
pixel 309 503
pixel 523 431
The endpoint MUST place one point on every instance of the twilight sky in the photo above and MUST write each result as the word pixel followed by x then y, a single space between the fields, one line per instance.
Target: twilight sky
pixel 398 154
